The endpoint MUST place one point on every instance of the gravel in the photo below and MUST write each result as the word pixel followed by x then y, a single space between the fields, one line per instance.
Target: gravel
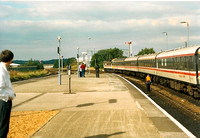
pixel 23 124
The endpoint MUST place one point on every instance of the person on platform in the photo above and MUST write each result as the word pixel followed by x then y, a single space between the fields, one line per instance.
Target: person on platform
pixel 148 82
pixel 83 69
pixel 7 93
pixel 80 71
pixel 97 70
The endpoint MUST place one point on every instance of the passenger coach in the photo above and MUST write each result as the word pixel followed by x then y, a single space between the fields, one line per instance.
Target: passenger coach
pixel 178 69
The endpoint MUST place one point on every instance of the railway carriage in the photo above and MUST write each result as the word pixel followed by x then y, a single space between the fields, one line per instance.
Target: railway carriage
pixel 147 64
pixel 178 69
pixel 131 64
pixel 181 66
pixel 107 65
pixel 118 64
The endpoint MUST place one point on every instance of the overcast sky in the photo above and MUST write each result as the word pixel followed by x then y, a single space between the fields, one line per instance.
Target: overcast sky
pixel 30 29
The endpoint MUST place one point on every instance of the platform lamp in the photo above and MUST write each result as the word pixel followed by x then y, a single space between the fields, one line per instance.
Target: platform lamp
pixel 77 61
pixel 188 30
pixel 166 38
pixel 88 56
pixel 59 74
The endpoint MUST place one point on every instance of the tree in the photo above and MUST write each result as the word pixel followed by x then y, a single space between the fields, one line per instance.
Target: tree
pixel 34 63
pixel 55 65
pixel 40 65
pixel 70 60
pixel 146 51
pixel 31 63
pixel 105 55
pixel 65 62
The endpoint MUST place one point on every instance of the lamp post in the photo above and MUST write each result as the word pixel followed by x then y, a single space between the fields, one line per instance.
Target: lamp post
pixel 77 61
pixel 131 49
pixel 166 38
pixel 59 74
pixel 188 30
pixel 62 62
pixel 89 38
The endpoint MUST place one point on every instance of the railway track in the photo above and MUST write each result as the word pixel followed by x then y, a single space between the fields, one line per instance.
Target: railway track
pixel 182 107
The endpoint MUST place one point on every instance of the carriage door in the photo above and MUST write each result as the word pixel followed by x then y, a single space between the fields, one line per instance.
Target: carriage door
pixel 197 66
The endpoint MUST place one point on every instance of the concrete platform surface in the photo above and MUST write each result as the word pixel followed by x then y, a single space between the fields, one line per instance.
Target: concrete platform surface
pixel 100 108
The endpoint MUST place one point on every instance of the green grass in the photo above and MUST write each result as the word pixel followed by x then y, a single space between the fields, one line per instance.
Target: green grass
pixel 16 75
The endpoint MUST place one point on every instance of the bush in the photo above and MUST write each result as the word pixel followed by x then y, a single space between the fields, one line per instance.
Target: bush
pixel 38 64
pixel 16 75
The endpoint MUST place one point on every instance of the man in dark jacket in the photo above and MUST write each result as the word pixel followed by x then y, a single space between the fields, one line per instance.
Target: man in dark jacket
pixel 97 71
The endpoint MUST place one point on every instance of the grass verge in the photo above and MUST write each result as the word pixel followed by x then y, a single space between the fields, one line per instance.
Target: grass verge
pixel 17 76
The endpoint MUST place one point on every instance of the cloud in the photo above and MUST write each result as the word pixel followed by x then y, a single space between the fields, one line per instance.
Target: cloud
pixel 37 24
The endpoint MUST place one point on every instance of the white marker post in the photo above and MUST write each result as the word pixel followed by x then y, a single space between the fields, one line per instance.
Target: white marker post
pixel 69 73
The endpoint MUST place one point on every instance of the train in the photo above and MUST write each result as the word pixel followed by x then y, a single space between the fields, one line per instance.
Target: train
pixel 178 69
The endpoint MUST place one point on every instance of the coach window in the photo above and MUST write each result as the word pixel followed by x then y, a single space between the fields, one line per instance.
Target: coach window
pixel 174 63
pixel 126 63
pixel 142 63
pixel 135 63
pixel 159 62
pixel 181 63
pixel 191 63
pixel 169 63
pixel 132 63
pixel 185 63
pixel 139 63
pixel 165 62
pixel 147 63
pixel 178 63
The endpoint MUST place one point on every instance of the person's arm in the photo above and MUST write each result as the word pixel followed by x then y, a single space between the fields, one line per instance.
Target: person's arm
pixel 3 94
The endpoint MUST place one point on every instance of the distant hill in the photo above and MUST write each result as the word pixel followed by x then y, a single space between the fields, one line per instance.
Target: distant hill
pixel 20 61
pixel 52 61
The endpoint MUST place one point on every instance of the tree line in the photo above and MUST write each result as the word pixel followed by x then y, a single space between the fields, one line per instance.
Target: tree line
pixel 105 55
pixel 97 58
pixel 109 54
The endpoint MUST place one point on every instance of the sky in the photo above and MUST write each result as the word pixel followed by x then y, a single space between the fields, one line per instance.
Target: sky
pixel 30 29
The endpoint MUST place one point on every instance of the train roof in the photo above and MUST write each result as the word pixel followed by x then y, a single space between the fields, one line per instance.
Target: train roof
pixel 118 60
pixel 148 57
pixel 188 51
pixel 132 58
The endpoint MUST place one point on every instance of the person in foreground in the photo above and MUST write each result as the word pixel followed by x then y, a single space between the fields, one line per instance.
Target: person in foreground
pixel 7 93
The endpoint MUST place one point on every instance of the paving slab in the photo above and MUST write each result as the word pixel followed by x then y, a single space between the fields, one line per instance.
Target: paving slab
pixel 101 107
pixel 23 97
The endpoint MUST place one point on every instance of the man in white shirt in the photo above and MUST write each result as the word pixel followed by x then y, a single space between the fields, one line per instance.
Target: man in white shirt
pixel 6 92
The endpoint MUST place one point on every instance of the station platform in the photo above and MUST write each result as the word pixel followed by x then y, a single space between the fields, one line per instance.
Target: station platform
pixel 97 108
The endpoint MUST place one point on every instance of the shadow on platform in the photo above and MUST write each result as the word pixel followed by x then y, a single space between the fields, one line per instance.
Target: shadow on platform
pixel 105 135
pixel 110 101
pixel 90 104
